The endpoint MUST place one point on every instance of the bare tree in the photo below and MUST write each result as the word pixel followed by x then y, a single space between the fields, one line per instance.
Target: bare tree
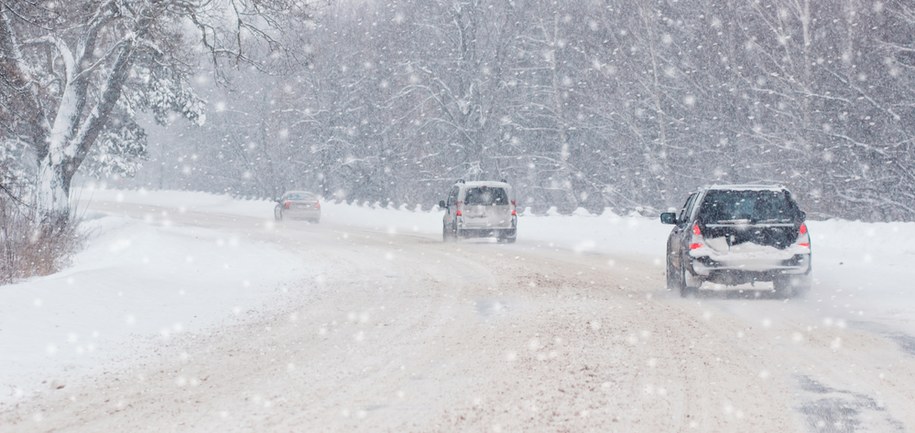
pixel 83 69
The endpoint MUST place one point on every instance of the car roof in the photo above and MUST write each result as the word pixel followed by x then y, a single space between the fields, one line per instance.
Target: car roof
pixel 746 187
pixel 490 183
pixel 299 193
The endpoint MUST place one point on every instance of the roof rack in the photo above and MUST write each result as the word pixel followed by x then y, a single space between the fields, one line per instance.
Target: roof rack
pixel 747 186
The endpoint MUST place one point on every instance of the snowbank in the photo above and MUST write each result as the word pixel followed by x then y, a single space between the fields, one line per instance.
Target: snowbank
pixel 137 283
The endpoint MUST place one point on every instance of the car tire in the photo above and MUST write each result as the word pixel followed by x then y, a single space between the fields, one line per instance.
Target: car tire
pixel 686 283
pixel 802 285
pixel 507 236
pixel 686 288
pixel 789 286
pixel 450 233
pixel 782 286
pixel 671 274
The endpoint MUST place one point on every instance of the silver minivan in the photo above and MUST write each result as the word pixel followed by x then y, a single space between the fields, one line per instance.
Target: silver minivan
pixel 480 209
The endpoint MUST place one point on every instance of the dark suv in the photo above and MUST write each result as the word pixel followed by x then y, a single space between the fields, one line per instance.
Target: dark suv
pixel 738 234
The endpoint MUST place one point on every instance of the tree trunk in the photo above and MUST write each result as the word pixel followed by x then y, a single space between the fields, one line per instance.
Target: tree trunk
pixel 567 199
pixel 53 195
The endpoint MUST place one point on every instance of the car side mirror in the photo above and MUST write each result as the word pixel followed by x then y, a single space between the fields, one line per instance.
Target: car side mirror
pixel 441 204
pixel 668 218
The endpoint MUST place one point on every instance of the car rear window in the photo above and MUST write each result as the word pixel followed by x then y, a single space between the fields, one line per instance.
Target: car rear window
pixel 486 196
pixel 299 196
pixel 744 205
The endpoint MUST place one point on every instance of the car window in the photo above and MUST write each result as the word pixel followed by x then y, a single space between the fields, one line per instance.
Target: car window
pixel 299 196
pixel 486 196
pixel 687 208
pixel 754 206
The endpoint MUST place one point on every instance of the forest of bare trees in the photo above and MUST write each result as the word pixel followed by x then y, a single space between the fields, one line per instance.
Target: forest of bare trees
pixel 597 104
pixel 625 105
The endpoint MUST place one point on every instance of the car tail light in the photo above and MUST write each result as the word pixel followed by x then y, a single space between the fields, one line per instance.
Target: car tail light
pixel 287 204
pixel 317 205
pixel 696 241
pixel 803 238
pixel 514 212
pixel 458 212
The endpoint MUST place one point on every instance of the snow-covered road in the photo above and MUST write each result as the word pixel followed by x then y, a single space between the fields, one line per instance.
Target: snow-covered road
pixel 380 329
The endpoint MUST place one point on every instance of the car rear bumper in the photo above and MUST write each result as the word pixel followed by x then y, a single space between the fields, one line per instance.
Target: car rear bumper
pixel 744 271
pixel 303 214
pixel 487 227
pixel 508 232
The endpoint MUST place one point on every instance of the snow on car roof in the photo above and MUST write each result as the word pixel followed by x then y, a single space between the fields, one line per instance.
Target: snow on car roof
pixel 477 183
pixel 748 187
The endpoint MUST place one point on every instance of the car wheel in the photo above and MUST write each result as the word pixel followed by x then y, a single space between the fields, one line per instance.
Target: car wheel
pixel 788 286
pixel 672 278
pixel 457 232
pixel 511 238
pixel 452 232
pixel 802 285
pixel 687 284
pixel 506 236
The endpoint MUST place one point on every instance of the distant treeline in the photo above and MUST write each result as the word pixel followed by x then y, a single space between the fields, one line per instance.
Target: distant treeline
pixel 620 104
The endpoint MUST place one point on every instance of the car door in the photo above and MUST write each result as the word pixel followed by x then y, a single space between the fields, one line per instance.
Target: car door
pixel 679 234
pixel 450 207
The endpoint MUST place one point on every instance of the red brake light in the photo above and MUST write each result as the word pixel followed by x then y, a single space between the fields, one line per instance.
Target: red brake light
pixel 803 237
pixel 697 235
pixel 514 212
pixel 317 205
pixel 458 213
pixel 287 204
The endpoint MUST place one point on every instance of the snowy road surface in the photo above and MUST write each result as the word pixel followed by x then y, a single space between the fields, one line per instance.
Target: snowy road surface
pixel 396 331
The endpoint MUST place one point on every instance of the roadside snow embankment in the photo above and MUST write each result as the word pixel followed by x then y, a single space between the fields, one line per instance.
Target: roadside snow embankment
pixel 136 283
pixel 865 270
